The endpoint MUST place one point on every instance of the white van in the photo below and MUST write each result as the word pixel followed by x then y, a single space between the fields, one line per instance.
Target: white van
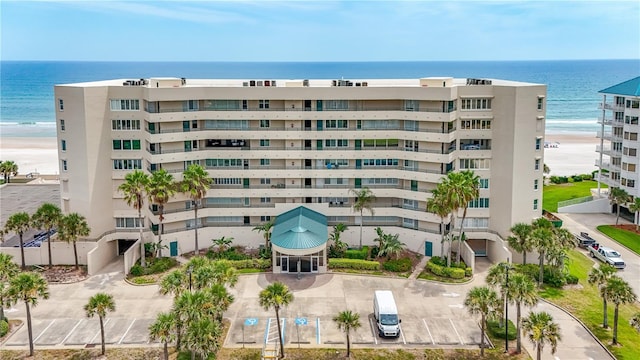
pixel 386 313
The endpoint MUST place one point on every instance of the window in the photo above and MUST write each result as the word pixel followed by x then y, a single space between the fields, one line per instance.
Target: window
pixel 383 124
pixel 479 203
pixel 64 165
pixel 410 145
pixel 380 143
pixel 336 143
pixel 336 104
pixel 125 124
pixel 126 144
pixel 535 204
pixel 265 200
pixel 475 124
pixel 227 181
pixel 226 124
pixel 409 223
pixel 478 223
pixel 128 222
pixel 223 162
pixel 634 104
pixel 631 120
pixel 265 181
pixel 411 105
pixel 536 165
pixel 380 162
pixel 264 142
pixel 630 136
pixel 62 128
pixel 127 164
pixel 60 104
pixel 264 123
pixel 409 204
pixel 628 167
pixel 223 104
pixel 125 104
pixel 630 151
pixel 263 104
pixel 63 145
pixel 265 162
pixel 484 183
pixel 265 218
pixel 535 184
pixel 475 164
pixel 380 181
pixel 538 143
pixel 336 124
pixel 476 104
pixel 192 105
pixel 540 102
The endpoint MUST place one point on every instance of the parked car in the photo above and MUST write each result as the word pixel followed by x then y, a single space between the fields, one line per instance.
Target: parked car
pixel 584 240
pixel 607 255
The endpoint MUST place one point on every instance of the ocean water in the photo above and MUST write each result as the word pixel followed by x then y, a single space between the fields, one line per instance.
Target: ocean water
pixel 27 104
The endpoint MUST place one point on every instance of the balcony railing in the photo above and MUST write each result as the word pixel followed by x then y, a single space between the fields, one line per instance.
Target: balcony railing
pixel 306 109
pixel 306 148
pixel 282 128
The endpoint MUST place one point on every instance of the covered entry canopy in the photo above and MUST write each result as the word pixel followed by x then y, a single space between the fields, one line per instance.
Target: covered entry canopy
pixel 299 231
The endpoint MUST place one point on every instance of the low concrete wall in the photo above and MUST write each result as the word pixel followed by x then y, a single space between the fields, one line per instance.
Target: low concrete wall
pixel 498 250
pixel 596 206
pixel 61 253
pixel 105 251
pixel 131 256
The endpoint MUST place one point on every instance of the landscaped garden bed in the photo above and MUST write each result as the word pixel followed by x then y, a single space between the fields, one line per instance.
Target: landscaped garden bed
pixel 437 270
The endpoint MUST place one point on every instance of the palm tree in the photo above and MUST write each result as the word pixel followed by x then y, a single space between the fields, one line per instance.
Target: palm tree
pixel 497 279
pixel 469 190
pixel 160 189
pixel 521 240
pixel 635 321
pixel 618 197
pixel 266 228
pixel 73 226
pixel 521 291
pixel 8 269
pixel 195 183
pixel 28 287
pixel 18 223
pixel 162 329
pixel 634 208
pixel 339 245
pixel 600 276
pixel 276 296
pixel 8 169
pixel 541 329
pixel 484 301
pixel 347 321
pixel 364 199
pixel 392 246
pixel 542 239
pixel 100 304
pixel 437 204
pixel 223 243
pixel 201 336
pixel 46 218
pixel 545 169
pixel 221 299
pixel 175 283
pixel 224 273
pixel 190 308
pixel 619 292
pixel 134 188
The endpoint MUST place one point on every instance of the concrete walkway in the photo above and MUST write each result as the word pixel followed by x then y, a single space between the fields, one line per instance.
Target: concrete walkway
pixel 419 268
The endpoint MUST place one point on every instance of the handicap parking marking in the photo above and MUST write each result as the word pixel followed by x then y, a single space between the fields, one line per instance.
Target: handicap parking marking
pixel 428 331
pixel 250 321
pixel 318 338
pixel 456 331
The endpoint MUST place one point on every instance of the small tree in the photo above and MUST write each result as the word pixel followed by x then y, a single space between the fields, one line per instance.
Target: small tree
pixel 265 228
pixel 134 188
pixel 522 291
pixel 599 277
pixel 497 279
pixel 276 296
pixel 28 287
pixel 521 240
pixel 8 169
pixel 618 197
pixel 634 208
pixel 161 188
pixel 19 223
pixel 73 226
pixel 163 329
pixel 8 269
pixel 222 243
pixel 195 184
pixel 438 204
pixel 100 304
pixel 46 218
pixel 541 329
pixel 347 321
pixel 619 292
pixel 484 302
pixel 364 198
pixel 542 238
pixel 338 247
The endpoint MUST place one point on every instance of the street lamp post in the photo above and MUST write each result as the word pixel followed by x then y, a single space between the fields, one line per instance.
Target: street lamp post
pixel 506 307
pixel 189 271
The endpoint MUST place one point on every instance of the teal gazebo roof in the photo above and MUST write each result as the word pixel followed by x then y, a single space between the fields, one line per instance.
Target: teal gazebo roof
pixel 299 229
pixel 629 88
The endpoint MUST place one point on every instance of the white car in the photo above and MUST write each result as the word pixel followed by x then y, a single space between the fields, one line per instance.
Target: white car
pixel 607 255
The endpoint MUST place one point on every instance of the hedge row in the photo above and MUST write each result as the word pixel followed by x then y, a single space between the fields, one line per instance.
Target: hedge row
pixel 249 263
pixel 498 331
pixel 154 266
pixel 361 254
pixel 4 328
pixel 399 265
pixel 450 272
pixel 354 264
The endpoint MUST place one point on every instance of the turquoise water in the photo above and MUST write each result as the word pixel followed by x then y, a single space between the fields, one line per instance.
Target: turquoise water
pixel 27 104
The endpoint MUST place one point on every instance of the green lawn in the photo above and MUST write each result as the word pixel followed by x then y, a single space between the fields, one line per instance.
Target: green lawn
pixel 585 303
pixel 552 194
pixel 626 238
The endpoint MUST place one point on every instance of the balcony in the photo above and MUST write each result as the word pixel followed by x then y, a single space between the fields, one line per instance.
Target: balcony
pixel 304 109
pixel 306 128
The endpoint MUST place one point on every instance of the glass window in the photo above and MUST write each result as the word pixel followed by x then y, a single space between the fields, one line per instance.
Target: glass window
pixel 265 162
pixel 62 128
pixel 264 123
pixel 60 104
pixel 63 145
pixel 64 165
pixel 535 204
pixel 264 142
pixel 537 165
pixel 540 102
pixel 535 184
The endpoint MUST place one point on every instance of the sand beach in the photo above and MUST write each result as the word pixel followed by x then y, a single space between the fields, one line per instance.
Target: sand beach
pixel 568 153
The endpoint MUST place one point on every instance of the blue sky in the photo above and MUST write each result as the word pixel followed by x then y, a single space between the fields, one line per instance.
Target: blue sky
pixel 319 30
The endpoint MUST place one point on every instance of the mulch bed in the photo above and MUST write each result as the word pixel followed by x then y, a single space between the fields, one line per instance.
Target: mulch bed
pixel 627 227
pixel 59 274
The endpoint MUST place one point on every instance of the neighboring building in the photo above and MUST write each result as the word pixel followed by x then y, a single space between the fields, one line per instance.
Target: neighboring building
pixel 274 145
pixel 619 144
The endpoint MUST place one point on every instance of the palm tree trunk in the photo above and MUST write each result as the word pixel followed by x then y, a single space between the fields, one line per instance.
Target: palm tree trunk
pixel 75 254
pixel 348 345
pixel 541 274
pixel 2 309
pixel 452 221
pixel 441 237
pixel 178 334
pixel 102 333
pixel 482 335
pixel 160 228
pixel 539 350
pixel 524 258
pixel 143 263
pixel 279 334
pixel 29 329
pixel 166 351
pixel 618 213
pixel 518 338
pixel 24 266
pixel 615 325
pixel 197 250
pixel 605 323
pixel 464 215
pixel 49 246
pixel 361 222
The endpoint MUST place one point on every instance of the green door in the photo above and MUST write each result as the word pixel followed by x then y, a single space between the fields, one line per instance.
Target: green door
pixel 319 125
pixel 358 144
pixel 245 183
pixel 358 183
pixel 173 248
pixel 186 126
pixel 358 163
pixel 428 248
pixel 187 146
pixel 414 185
pixel 319 105
pixel 319 144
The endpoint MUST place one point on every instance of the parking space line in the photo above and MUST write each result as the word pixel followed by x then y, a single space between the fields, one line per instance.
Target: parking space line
pixel 456 330
pixel 125 333
pixel 284 324
pixel 318 331
pixel 94 336
pixel 71 332
pixel 428 331
pixel 373 328
pixel 402 334
pixel 266 331
pixel 43 331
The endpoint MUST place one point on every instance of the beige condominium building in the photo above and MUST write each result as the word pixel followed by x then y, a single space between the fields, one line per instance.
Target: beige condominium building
pixel 619 144
pixel 272 146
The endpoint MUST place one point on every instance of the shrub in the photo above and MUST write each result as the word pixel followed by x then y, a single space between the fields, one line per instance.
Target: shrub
pixel 354 264
pixel 468 271
pixel 577 178
pixel 399 265
pixel 229 254
pixel 442 261
pixel 586 177
pixel 571 279
pixel 450 272
pixel 552 277
pixel 136 270
pixel 361 254
pixel 249 263
pixel 493 326
pixel 160 265
pixel 4 328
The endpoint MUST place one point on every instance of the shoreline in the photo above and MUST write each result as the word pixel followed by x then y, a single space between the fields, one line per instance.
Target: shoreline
pixel 575 153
